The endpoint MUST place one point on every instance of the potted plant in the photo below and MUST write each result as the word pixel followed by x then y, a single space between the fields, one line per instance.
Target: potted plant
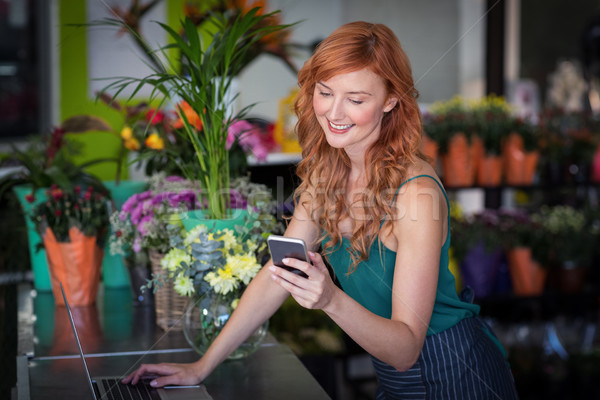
pixel 47 160
pixel 476 245
pixel 491 116
pixel 568 145
pixel 449 124
pixel 521 152
pixel 201 76
pixel 571 242
pixel 524 247
pixel 275 44
pixel 73 225
pixel 140 229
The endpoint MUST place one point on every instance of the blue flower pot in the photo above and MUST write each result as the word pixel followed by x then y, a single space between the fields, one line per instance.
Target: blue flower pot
pixel 479 270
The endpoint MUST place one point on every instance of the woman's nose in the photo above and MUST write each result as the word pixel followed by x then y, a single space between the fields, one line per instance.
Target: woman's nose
pixel 336 112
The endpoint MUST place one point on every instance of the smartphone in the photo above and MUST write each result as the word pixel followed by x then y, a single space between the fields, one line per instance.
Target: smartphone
pixel 285 247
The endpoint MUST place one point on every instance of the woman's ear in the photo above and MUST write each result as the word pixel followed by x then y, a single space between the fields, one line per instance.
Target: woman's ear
pixel 390 104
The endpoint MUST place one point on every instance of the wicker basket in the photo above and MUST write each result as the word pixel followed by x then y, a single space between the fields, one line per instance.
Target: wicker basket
pixel 168 303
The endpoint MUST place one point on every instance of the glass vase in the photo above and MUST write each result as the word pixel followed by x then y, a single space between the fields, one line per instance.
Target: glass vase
pixel 206 315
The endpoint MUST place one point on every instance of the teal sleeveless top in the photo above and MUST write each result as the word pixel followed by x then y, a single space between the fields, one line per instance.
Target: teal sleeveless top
pixel 371 283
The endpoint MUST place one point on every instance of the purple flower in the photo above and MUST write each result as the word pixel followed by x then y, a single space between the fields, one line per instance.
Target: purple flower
pixel 237 200
pixel 132 202
pixel 187 197
pixel 137 244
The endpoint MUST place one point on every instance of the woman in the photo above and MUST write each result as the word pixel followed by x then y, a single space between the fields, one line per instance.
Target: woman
pixel 379 214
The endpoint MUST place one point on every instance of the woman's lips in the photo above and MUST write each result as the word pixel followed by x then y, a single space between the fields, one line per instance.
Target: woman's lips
pixel 335 128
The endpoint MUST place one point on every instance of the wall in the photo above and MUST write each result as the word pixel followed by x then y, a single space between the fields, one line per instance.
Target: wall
pixel 444 40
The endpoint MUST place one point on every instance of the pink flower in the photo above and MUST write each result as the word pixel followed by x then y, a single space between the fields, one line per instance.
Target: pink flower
pixel 249 137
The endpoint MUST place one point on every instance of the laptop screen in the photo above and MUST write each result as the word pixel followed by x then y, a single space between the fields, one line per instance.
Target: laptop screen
pixel 87 372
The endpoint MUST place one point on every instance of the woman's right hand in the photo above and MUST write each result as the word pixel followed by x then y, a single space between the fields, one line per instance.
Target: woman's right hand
pixel 166 374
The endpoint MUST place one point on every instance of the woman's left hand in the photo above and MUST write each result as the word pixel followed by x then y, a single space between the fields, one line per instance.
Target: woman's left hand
pixel 314 292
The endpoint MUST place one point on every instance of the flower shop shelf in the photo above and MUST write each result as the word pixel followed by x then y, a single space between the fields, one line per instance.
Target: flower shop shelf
pixel 117 337
pixel 275 158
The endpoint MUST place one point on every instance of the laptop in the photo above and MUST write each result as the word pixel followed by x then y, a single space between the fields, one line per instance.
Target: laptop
pixel 110 387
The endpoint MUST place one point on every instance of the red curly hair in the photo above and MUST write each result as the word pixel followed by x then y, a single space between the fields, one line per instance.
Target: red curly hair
pixel 324 170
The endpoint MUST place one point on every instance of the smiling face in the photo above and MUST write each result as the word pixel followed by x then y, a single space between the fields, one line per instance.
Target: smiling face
pixel 350 107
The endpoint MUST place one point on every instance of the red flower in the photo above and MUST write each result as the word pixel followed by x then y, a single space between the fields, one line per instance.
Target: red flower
pixel 57 194
pixel 55 142
pixel 30 198
pixel 118 233
pixel 77 189
pixel 58 213
pixel 87 195
pixel 155 116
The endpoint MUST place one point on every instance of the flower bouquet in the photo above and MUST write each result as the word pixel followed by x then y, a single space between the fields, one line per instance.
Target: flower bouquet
pixel 73 226
pixel 47 160
pixel 212 267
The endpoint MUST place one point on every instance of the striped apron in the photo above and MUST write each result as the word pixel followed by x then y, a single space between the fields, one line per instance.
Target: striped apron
pixel 460 363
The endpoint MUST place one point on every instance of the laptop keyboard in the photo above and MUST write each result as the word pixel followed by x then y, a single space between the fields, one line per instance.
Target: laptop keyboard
pixel 115 390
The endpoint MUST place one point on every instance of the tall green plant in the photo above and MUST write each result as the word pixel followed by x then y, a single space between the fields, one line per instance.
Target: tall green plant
pixel 202 77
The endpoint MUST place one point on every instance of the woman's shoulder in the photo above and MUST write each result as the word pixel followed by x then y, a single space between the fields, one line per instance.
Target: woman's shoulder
pixel 421 169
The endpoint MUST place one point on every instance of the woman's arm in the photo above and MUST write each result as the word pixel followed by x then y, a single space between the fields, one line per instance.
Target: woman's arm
pixel 259 302
pixel 418 231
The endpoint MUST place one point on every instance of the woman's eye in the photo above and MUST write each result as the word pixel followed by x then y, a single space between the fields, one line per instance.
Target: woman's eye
pixel 357 102
pixel 325 94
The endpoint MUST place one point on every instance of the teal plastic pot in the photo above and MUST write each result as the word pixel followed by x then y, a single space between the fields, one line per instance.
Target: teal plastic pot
pixel 38 261
pixel 114 270
pixel 238 216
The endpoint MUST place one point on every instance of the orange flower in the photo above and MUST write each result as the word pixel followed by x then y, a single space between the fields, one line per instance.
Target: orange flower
pixel 190 115
pixel 154 141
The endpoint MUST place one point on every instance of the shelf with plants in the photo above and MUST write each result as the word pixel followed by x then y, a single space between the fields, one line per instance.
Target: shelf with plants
pixel 512 253
pixel 481 144
pixel 551 166
pixel 549 328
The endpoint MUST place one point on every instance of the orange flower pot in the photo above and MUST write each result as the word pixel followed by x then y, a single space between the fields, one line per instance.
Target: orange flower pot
pixel 77 264
pixel 489 171
pixel 459 163
pixel 527 276
pixel 430 149
pixel 519 165
pixel 531 163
